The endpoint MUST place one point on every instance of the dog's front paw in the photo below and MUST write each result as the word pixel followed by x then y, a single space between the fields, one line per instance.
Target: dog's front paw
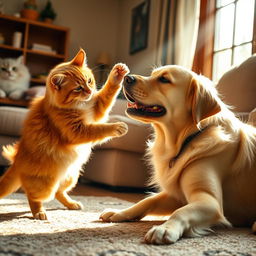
pixel 117 73
pixel 162 235
pixel 120 129
pixel 111 215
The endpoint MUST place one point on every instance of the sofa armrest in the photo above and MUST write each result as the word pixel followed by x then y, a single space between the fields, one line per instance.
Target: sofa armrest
pixel 11 120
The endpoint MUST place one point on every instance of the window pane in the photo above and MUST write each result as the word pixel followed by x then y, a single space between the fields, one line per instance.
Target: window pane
pixel 221 3
pixel 224 27
pixel 244 21
pixel 242 53
pixel 221 63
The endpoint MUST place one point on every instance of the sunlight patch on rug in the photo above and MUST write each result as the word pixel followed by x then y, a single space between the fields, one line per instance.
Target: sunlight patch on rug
pixel 82 233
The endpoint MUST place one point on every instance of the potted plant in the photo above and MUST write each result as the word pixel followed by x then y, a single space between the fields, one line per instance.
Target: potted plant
pixel 48 14
pixel 30 10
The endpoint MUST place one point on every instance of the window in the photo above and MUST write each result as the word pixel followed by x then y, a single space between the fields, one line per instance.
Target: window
pixel 233 34
pixel 226 36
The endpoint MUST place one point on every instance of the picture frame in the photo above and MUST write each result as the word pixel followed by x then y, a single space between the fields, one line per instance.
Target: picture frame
pixel 139 27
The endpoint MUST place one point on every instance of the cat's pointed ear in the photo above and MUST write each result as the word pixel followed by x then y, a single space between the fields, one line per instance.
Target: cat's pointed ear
pixel 80 59
pixel 57 81
pixel 21 59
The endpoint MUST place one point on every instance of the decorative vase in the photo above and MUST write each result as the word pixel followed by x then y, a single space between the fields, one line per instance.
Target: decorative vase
pixel 29 14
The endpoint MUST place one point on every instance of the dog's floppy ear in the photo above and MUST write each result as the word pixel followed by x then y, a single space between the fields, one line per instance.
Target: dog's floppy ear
pixel 203 101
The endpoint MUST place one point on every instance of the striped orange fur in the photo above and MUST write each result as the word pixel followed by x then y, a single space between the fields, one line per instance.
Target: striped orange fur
pixel 58 134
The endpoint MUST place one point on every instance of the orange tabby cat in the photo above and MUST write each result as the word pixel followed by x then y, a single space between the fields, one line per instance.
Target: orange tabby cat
pixel 59 132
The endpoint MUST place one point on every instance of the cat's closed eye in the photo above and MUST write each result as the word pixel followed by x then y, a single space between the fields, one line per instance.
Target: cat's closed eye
pixel 78 89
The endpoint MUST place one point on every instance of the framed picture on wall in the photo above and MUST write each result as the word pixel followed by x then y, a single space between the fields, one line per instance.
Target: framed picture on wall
pixel 139 27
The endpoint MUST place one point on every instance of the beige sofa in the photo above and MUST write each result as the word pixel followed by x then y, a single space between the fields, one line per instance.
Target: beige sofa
pixel 120 162
pixel 238 87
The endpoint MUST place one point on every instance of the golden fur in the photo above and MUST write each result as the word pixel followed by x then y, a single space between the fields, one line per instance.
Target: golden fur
pixel 59 132
pixel 208 181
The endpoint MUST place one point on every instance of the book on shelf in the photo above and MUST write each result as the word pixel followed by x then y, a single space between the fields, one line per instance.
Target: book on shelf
pixel 43 48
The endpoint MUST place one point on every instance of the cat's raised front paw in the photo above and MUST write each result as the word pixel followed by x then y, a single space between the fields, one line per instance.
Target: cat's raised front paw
pixel 118 72
pixel 120 129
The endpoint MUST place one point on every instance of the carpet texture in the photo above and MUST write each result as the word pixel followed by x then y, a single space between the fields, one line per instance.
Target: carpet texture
pixel 81 233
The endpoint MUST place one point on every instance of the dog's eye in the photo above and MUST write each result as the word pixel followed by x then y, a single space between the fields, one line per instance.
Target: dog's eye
pixel 164 80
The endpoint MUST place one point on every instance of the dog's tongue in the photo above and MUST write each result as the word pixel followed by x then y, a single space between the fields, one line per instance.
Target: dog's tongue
pixel 132 105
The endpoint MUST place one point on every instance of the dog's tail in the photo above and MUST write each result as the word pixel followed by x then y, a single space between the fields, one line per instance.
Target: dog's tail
pixel 9 182
pixel 10 151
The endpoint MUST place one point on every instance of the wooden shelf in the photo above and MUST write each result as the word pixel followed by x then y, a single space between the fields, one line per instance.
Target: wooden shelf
pixel 33 32
pixel 53 55
pixel 9 47
pixel 33 22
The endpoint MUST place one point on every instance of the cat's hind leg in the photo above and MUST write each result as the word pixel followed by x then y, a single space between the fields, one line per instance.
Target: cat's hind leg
pixel 39 189
pixel 65 186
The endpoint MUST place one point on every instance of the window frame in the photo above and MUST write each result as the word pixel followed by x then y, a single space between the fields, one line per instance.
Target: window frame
pixel 203 60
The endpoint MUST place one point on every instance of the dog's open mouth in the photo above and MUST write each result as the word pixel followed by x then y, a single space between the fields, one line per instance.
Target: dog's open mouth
pixel 136 108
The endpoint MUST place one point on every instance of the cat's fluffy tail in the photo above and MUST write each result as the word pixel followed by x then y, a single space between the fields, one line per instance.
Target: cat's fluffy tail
pixel 10 151
pixel 9 182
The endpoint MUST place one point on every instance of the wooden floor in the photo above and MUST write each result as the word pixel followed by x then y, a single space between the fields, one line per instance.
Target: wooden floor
pixel 92 189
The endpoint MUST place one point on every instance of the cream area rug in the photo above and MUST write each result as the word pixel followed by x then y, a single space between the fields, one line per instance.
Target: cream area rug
pixel 81 233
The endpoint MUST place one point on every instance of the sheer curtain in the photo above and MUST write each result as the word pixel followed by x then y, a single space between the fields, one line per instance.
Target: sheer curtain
pixel 178 30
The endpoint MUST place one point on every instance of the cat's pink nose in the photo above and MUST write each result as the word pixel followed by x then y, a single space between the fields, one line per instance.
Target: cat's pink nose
pixel 87 90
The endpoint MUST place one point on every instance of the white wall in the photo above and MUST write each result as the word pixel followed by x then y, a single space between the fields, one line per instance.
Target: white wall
pixel 102 25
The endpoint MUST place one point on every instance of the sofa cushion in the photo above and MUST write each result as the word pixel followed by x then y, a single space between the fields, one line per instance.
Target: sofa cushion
pixel 238 86
pixel 117 168
pixel 11 120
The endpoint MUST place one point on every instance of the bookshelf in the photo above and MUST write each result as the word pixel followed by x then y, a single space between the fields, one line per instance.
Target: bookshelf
pixel 34 32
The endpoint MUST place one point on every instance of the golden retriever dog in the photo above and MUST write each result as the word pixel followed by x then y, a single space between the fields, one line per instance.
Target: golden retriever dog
pixel 203 157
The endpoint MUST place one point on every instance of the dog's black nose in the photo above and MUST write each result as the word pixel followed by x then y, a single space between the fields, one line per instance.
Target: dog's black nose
pixel 129 80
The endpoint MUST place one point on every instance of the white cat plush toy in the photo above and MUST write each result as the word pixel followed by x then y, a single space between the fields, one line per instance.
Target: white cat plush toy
pixel 14 78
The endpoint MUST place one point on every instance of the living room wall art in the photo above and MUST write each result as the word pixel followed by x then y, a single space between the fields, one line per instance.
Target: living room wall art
pixel 139 27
